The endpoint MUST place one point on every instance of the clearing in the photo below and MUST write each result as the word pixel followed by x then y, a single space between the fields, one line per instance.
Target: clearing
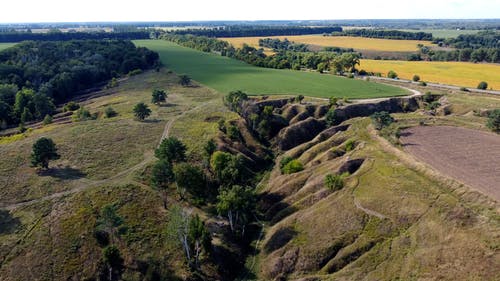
pixel 453 73
pixel 473 156
pixel 357 43
pixel 225 74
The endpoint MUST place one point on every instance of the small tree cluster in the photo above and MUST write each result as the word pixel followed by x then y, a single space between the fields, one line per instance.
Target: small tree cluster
pixel 493 122
pixel 331 117
pixel 234 99
pixel 228 169
pixel 381 119
pixel 237 204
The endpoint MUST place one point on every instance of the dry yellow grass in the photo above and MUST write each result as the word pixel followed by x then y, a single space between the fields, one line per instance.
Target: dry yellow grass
pixel 358 43
pixel 453 73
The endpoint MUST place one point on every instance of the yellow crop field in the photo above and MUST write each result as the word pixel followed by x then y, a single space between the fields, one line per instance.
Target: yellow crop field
pixel 453 73
pixel 358 43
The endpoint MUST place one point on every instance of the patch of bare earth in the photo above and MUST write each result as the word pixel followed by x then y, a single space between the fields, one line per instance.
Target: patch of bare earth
pixel 470 156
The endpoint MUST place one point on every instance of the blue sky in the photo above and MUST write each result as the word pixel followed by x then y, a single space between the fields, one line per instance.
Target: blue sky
pixel 189 10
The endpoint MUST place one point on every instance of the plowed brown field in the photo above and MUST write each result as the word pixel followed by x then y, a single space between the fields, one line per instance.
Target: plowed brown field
pixel 470 156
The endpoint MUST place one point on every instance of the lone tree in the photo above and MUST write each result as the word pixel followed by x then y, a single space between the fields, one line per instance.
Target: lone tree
pixel 416 78
pixel 381 119
pixel 141 111
pixel 391 74
pixel 158 96
pixel 172 150
pixel 482 85
pixel 44 150
pixel 494 121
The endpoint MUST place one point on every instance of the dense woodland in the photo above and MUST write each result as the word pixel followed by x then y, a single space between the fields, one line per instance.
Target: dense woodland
pixel 34 76
pixel 246 31
pixel 385 34
pixel 285 45
pixel 15 36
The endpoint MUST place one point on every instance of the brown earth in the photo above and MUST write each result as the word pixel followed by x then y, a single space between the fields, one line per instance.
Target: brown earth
pixel 471 156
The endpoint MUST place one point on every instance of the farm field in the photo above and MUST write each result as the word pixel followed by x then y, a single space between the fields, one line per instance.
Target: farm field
pixel 453 73
pixel 357 43
pixel 477 165
pixel 224 75
pixel 443 33
pixel 4 46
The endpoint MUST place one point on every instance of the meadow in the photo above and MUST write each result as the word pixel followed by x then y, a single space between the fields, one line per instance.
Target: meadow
pixel 454 73
pixel 224 75
pixel 358 43
pixel 4 46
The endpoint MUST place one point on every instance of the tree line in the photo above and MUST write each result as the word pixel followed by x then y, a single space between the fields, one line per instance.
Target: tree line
pixel 385 34
pixel 247 31
pixel 16 36
pixel 285 45
pixel 36 75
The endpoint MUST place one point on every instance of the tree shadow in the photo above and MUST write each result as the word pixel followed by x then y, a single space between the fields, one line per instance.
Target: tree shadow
pixel 8 223
pixel 64 173
pixel 151 121
pixel 167 105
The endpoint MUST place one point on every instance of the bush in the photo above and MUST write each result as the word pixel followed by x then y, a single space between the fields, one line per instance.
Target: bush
pixel 82 114
pixel 335 182
pixel 493 122
pixel 428 97
pixel 416 78
pixel 362 72
pixel 71 106
pixel 110 112
pixel 47 120
pixel 482 85
pixel 331 117
pixel 422 83
pixel 433 105
pixel 134 72
pixel 292 166
pixel 391 74
pixel 332 101
pixel 349 145
pixel 233 133
pixel 381 119
pixel 464 89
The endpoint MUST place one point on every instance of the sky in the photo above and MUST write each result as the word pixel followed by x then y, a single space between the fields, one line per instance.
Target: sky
pixel 18 11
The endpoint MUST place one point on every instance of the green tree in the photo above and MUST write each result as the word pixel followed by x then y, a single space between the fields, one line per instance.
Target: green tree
pixel 44 150
pixel 392 74
pixel 172 150
pixel 237 204
pixel 299 98
pixel 493 122
pixel 47 120
pixel 482 85
pixel 141 111
pixel 43 106
pixel 381 119
pixel 208 149
pixel 332 101
pixel 109 220
pixel 234 99
pixel 416 78
pixel 229 169
pixel 191 179
pixel 26 115
pixel 331 117
pixel 199 238
pixel 161 176
pixel 158 96
pixel 109 112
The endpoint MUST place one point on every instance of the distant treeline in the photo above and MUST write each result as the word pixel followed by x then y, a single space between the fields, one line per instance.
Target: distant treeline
pixel 253 31
pixel 485 39
pixel 467 55
pixel 10 36
pixel 385 34
pixel 321 61
pixel 35 75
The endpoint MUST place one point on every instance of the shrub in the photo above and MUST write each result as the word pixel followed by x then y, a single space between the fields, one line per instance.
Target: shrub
pixel 362 72
pixel 292 166
pixel 335 182
pixel 134 72
pixel 331 117
pixel 112 83
pixel 233 133
pixel 71 106
pixel 493 122
pixel 428 97
pixel 47 120
pixel 349 145
pixel 299 98
pixel 482 85
pixel 391 74
pixel 332 101
pixel 422 83
pixel 464 89
pixel 433 105
pixel 110 112
pixel 381 119
pixel 82 114
pixel 416 78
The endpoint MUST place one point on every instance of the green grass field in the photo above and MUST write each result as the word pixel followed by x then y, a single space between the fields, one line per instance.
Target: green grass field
pixel 4 46
pixel 224 75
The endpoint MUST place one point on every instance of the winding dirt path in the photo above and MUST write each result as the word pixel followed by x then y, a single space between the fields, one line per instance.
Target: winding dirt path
pixel 86 184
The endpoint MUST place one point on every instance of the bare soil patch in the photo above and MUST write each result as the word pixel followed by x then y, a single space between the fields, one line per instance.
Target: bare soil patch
pixel 470 156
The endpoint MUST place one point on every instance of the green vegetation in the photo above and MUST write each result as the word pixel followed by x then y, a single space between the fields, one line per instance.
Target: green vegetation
pixel 172 150
pixel 109 112
pixel 494 121
pixel 416 78
pixel 44 150
pixel 391 74
pixel 4 46
pixel 381 119
pixel 289 165
pixel 158 96
pixel 237 203
pixel 226 75
pixel 482 85
pixel 141 111
pixel 335 182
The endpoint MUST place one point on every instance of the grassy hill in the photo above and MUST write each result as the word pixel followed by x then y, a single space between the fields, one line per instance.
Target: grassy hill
pixel 4 46
pixel 224 75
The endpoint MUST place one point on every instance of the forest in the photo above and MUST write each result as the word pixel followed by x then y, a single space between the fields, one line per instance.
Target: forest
pixel 247 31
pixel 385 34
pixel 34 76
pixel 16 36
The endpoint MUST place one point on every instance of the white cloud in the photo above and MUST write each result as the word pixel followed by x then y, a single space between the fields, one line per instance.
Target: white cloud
pixel 187 10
